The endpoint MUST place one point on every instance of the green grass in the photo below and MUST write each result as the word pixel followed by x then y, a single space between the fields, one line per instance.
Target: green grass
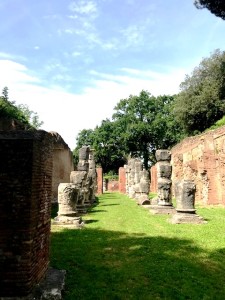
pixel 125 252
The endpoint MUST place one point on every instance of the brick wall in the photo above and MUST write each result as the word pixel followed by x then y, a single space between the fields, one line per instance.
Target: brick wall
pixel 202 159
pixel 153 179
pixel 113 186
pixel 122 180
pixel 99 181
pixel 25 202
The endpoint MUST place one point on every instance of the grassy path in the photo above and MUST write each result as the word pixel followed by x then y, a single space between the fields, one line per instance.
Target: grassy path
pixel 124 252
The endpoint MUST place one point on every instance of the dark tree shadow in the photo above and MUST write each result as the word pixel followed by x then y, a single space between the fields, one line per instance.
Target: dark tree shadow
pixel 113 265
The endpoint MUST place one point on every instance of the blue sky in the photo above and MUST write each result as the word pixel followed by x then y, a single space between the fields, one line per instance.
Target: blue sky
pixel 72 61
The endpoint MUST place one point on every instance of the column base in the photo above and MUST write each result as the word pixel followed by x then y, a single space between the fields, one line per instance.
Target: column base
pixel 188 218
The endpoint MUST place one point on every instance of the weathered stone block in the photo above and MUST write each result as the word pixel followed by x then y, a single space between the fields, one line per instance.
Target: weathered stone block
pixel 185 195
pixel 162 155
pixel 164 169
pixel 164 191
pixel 84 153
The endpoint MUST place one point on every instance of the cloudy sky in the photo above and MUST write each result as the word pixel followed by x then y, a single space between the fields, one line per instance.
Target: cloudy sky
pixel 72 61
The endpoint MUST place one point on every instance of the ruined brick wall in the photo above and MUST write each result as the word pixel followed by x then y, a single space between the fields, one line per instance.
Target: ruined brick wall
pixel 99 181
pixel 62 164
pixel 202 159
pixel 153 180
pixel 25 203
pixel 122 180
pixel 113 186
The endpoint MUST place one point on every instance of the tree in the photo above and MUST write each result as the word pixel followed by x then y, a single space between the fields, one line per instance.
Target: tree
pixel 84 138
pixel 147 125
pixel 216 7
pixel 31 116
pixel 104 139
pixel 21 113
pixel 201 101
pixel 109 151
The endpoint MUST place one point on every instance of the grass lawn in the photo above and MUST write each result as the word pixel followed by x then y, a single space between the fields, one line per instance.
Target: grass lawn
pixel 125 252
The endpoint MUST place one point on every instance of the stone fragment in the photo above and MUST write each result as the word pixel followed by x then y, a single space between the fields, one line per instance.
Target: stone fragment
pixel 164 184
pixel 83 164
pixel 163 155
pixel 68 195
pixel 137 181
pixel 185 197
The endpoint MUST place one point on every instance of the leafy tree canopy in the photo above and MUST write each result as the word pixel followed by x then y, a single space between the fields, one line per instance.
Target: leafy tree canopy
pixel 201 101
pixel 217 7
pixel 21 113
pixel 104 139
pixel 147 124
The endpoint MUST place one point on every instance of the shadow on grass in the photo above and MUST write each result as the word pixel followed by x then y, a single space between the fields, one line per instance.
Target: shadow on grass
pixel 112 265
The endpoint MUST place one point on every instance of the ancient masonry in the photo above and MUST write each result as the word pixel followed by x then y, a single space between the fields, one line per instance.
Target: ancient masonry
pixel 162 204
pixel 202 159
pixel 62 164
pixel 137 181
pixel 78 195
pixel 185 198
pixel 26 190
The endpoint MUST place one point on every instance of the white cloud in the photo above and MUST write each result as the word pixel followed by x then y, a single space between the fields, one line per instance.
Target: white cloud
pixel 68 113
pixel 83 7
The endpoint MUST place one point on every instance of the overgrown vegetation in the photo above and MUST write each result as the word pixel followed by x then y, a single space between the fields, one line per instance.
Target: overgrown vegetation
pixel 21 113
pixel 141 124
pixel 124 252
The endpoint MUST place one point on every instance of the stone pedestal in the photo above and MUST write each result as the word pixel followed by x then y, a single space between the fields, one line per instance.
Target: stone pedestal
pixel 164 183
pixel 67 199
pixel 185 197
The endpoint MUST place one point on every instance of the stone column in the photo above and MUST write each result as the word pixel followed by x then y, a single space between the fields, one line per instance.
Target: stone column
pixel 185 198
pixel 92 177
pixel 83 164
pixel 68 195
pixel 144 185
pixel 164 183
pixel 131 178
pixel 79 178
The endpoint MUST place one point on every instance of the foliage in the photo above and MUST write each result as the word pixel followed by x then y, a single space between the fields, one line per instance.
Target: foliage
pixel 107 143
pixel 218 124
pixel 140 125
pixel 111 176
pixel 104 139
pixel 217 7
pixel 201 101
pixel 21 113
pixel 147 124
pixel 123 252
pixel 31 116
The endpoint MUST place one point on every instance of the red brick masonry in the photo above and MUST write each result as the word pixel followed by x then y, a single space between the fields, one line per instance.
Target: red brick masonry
pixel 25 204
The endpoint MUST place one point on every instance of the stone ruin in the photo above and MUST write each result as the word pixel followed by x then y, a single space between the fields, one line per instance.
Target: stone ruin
pixel 163 202
pixel 76 197
pixel 62 164
pixel 137 181
pixel 25 191
pixel 185 198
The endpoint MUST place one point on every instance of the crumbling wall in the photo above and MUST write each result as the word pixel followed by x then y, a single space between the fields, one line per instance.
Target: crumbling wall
pixel 62 164
pixel 113 185
pixel 202 159
pixel 25 204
